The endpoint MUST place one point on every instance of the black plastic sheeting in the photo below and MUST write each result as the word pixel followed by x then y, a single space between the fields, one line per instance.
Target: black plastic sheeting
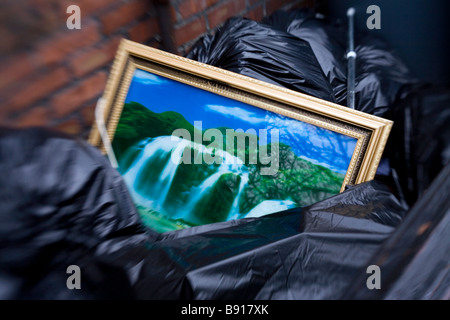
pixel 298 254
pixel 262 52
pixel 288 47
pixel 414 260
pixel 60 200
pixel 63 204
pixel 419 144
pixel 74 209
pixel 418 147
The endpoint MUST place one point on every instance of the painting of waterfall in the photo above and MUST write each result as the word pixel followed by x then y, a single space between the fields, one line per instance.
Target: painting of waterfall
pixel 190 156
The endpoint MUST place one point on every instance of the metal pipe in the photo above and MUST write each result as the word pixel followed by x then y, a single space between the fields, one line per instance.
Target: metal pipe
pixel 351 60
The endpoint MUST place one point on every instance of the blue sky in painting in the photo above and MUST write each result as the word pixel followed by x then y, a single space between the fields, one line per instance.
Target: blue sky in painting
pixel 159 94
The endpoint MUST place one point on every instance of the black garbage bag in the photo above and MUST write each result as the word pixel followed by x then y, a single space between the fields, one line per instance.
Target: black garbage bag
pixel 328 41
pixel 290 48
pixel 63 204
pixel 381 76
pixel 264 53
pixel 60 200
pixel 384 85
pixel 418 147
pixel 419 144
pixel 309 253
pixel 414 260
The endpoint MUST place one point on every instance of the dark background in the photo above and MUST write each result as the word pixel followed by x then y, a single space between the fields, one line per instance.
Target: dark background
pixel 418 30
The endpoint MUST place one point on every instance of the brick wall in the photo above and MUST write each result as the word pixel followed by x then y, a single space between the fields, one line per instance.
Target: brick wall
pixel 52 76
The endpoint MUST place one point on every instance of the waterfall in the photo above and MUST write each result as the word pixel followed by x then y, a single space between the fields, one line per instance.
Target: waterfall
pixel 154 168
pixel 234 211
pixel 197 193
pixel 153 172
pixel 230 164
pixel 153 151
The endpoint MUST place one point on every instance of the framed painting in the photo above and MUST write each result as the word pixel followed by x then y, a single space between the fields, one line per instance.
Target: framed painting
pixel 197 144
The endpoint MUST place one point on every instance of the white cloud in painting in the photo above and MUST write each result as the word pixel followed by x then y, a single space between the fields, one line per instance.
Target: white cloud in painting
pixel 145 77
pixel 315 144
pixel 236 112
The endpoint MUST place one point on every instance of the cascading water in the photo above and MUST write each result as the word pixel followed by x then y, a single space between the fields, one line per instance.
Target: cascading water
pixel 234 211
pixel 153 152
pixel 197 192
pixel 163 155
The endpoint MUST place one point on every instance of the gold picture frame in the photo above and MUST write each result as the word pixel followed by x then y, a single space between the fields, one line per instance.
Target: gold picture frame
pixel 164 82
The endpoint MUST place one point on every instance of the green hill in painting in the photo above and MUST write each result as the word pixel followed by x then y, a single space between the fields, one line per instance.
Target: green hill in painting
pixel 137 123
pixel 296 179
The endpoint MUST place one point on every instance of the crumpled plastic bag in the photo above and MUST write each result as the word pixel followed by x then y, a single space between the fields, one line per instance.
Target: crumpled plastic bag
pixel 60 200
pixel 306 52
pixel 309 253
pixel 64 205
pixel 264 53
pixel 384 85
pixel 419 145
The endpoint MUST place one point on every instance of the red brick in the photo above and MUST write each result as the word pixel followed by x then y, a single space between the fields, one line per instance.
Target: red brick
pixel 9 40
pixel 37 89
pixel 87 7
pixel 190 31
pixel 255 14
pixel 209 3
pixel 124 14
pixel 95 58
pixel 144 31
pixel 15 69
pixel 38 116
pixel 221 13
pixel 188 8
pixel 72 127
pixel 88 114
pixel 57 48
pixel 173 13
pixel 71 99
pixel 24 23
